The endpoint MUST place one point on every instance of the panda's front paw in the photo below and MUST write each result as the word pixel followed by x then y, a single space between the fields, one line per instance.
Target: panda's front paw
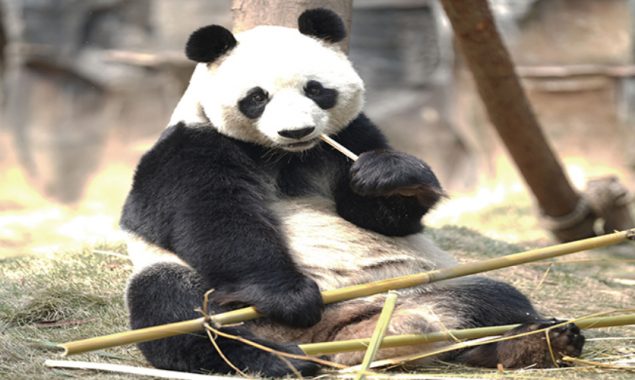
pixel 297 303
pixel 387 172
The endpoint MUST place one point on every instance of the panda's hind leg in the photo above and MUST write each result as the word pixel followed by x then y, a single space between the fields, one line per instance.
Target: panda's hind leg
pixel 465 303
pixel 480 301
pixel 167 292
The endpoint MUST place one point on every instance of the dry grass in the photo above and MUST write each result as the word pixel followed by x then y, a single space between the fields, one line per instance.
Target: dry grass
pixel 73 295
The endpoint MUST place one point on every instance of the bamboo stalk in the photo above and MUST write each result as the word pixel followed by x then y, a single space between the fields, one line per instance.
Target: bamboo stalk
pixel 378 334
pixel 351 292
pixel 140 371
pixel 339 147
pixel 326 348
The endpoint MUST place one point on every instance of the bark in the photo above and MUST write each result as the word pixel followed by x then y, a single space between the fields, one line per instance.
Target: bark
pixel 514 120
pixel 3 42
pixel 250 13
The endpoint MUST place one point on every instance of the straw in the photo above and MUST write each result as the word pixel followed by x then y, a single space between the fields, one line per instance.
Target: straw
pixel 327 348
pixel 347 293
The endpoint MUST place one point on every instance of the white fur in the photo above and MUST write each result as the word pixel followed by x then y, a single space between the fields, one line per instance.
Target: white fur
pixel 281 61
pixel 143 254
pixel 336 253
pixel 329 249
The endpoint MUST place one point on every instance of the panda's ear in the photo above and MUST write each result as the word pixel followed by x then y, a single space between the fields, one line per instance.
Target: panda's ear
pixel 209 43
pixel 323 24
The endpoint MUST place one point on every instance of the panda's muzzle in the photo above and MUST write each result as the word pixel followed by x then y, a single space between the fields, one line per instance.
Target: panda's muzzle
pixel 296 133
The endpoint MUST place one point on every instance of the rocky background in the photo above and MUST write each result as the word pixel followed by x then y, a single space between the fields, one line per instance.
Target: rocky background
pixel 87 86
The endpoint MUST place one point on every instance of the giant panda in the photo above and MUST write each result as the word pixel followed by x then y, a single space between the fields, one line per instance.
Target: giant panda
pixel 239 195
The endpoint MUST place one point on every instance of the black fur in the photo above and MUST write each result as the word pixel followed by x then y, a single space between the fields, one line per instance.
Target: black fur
pixel 530 350
pixel 325 98
pixel 254 103
pixel 209 43
pixel 323 24
pixel 204 196
pixel 197 194
pixel 372 203
pixel 167 293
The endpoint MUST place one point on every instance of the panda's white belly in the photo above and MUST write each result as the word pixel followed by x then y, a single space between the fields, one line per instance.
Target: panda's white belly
pixel 336 253
pixel 327 248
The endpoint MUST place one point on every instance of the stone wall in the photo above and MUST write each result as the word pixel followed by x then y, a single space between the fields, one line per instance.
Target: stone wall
pixel 89 78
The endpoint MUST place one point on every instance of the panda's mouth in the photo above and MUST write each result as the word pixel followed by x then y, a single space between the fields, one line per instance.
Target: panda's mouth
pixel 300 146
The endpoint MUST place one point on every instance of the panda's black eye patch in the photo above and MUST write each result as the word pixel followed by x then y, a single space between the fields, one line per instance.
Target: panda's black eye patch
pixel 324 97
pixel 254 103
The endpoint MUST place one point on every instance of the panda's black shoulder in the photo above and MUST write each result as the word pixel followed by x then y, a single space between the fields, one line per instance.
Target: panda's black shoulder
pixel 185 162
pixel 189 140
pixel 362 135
pixel 184 149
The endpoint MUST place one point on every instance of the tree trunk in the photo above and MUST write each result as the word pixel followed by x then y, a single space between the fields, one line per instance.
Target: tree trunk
pixel 250 13
pixel 568 215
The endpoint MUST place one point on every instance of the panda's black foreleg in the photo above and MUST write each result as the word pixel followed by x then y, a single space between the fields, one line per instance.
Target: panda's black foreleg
pixel 481 301
pixel 383 190
pixel 165 293
pixel 387 192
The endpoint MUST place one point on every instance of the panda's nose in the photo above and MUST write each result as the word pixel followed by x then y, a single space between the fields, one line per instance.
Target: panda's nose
pixel 296 133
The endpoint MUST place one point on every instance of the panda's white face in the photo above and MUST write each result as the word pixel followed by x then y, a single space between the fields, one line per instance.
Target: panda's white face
pixel 278 88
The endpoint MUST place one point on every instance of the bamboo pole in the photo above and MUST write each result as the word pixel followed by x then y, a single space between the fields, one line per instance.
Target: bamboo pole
pixel 339 147
pixel 347 293
pixel 327 348
pixel 378 335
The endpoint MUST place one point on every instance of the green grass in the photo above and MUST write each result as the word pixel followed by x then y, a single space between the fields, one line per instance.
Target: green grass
pixel 67 296
pixel 74 295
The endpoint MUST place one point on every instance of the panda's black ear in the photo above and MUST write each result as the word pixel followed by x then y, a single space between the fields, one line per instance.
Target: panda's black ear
pixel 208 43
pixel 323 24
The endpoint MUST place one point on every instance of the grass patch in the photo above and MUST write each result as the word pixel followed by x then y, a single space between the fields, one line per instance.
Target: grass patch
pixel 65 296
pixel 73 295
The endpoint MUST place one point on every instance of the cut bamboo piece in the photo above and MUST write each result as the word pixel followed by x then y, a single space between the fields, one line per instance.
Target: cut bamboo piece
pixel 327 348
pixel 378 334
pixel 339 147
pixel 131 370
pixel 351 292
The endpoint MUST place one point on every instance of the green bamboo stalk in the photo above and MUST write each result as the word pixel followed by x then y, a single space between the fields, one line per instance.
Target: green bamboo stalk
pixel 327 348
pixel 378 334
pixel 351 292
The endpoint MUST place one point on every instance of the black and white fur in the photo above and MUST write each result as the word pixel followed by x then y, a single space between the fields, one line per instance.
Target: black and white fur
pixel 238 195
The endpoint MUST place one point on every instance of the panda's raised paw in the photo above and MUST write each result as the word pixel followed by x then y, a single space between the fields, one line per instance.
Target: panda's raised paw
pixel 534 349
pixel 388 172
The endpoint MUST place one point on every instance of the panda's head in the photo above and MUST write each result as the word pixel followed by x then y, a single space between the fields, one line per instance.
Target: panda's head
pixel 274 86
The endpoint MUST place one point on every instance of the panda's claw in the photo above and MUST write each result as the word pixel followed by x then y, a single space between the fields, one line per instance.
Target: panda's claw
pixel 294 301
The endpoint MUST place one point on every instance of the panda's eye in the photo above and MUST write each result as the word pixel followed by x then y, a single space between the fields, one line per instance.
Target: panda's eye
pixel 324 97
pixel 313 88
pixel 254 103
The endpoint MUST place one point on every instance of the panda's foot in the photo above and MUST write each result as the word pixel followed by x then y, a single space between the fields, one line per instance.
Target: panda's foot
pixel 538 351
pixel 193 353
